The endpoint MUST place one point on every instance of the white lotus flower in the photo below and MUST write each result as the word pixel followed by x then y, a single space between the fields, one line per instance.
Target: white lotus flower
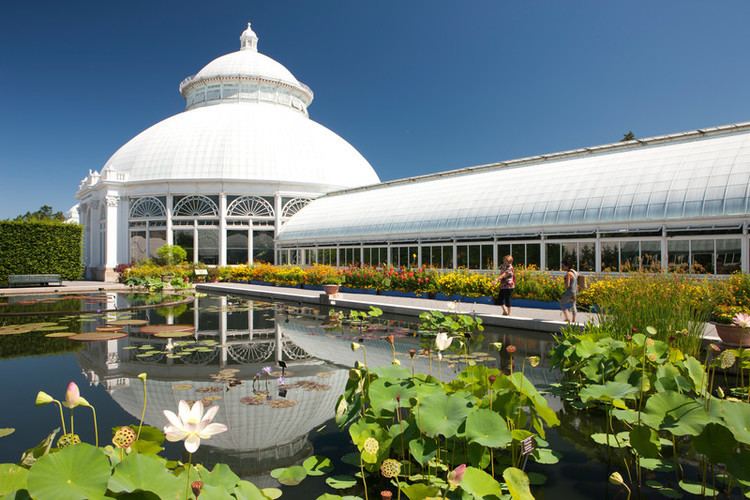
pixel 742 320
pixel 191 425
pixel 443 341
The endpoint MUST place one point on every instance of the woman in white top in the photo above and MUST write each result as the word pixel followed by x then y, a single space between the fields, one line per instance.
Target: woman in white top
pixel 569 296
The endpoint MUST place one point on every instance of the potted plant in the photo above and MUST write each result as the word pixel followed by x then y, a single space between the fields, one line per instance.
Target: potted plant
pixel 331 285
pixel 732 325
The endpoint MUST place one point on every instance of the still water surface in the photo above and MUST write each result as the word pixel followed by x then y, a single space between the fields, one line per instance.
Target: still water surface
pixel 270 425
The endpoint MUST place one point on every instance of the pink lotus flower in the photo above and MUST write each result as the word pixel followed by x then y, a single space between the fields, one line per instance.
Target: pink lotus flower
pixel 72 396
pixel 456 476
pixel 742 320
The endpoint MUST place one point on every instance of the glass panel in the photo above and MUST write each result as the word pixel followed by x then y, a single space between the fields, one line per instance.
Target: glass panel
pixel 487 260
pixel 569 254
pixel 553 256
pixel 474 257
pixel 156 240
pixel 208 246
pixel 502 251
pixel 413 257
pixel 184 239
pixel 532 255
pixel 433 256
pixel 587 257
pixel 678 255
pixel 703 256
pixel 610 259
pixel 629 258
pixel 263 246
pixel 651 256
pixel 237 244
pixel 462 256
pixel 519 254
pixel 728 256
pixel 447 257
pixel 137 246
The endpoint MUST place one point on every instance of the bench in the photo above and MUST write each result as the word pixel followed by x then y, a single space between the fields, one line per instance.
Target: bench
pixel 33 279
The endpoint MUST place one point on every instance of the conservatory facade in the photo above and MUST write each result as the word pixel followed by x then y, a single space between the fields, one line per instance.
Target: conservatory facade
pixel 679 202
pixel 220 178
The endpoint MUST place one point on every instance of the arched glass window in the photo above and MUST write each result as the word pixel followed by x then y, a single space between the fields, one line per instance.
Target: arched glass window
pixel 293 206
pixel 147 208
pixel 250 206
pixel 196 206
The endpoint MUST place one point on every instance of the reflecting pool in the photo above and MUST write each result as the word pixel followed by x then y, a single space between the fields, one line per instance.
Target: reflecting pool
pixel 214 349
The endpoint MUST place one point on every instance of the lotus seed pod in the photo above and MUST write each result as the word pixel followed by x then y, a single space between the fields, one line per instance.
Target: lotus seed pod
pixel 124 437
pixel 371 445
pixel 390 468
pixel 68 440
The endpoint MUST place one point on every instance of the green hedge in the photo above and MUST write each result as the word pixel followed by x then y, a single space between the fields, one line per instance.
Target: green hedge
pixel 40 248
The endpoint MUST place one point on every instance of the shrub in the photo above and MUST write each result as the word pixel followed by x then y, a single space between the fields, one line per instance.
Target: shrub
pixel 40 248
pixel 171 254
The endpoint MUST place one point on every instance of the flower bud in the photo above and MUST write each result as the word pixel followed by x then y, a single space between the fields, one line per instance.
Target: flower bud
pixel 511 349
pixel 497 345
pixel 143 375
pixel 196 486
pixel 72 395
pixel 42 398
pixel 396 362
pixel 533 361
pixel 412 353
pixel 355 346
pixel 616 479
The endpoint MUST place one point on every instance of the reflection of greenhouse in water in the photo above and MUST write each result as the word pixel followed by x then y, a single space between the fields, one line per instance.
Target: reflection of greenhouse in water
pixel 268 422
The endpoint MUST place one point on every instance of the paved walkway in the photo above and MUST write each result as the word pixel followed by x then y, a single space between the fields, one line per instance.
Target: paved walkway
pixel 523 318
pixel 67 287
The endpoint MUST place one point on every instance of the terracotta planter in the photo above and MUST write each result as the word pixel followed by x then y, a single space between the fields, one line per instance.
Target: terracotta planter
pixel 733 335
pixel 331 289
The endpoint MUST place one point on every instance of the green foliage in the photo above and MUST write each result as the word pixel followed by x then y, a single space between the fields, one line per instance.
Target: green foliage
pixel 170 255
pixel 40 248
pixel 478 419
pixel 45 214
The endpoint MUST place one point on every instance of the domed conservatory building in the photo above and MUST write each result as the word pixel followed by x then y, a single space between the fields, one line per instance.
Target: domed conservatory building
pixel 220 178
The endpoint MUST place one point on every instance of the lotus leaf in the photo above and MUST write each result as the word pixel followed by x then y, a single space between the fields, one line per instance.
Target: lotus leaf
pixel 341 482
pixel 151 329
pixel 248 491
pixel 676 413
pixel 663 490
pixel 6 431
pixel 608 392
pixel 272 493
pixel 716 442
pixel 621 440
pixel 317 465
pixel 526 388
pixel 129 322
pixel 12 478
pixel 139 472
pixel 56 335
pixel 290 476
pixel 442 414
pixel 518 484
pixel 487 428
pixel 164 335
pixel 546 456
pixel 698 489
pixel 645 441
pixel 97 336
pixel 736 414
pixel 422 450
pixel 478 483
pixel 697 374
pixel 54 328
pixel 384 392
pixel 75 472
pixel 418 491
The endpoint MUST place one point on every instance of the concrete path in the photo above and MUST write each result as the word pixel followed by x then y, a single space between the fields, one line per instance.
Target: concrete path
pixel 523 318
pixel 67 287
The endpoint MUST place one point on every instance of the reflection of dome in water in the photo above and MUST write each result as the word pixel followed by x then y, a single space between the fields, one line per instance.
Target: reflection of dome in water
pixel 251 427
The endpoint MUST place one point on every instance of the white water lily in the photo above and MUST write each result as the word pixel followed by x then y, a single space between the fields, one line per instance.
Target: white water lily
pixel 443 341
pixel 742 320
pixel 191 425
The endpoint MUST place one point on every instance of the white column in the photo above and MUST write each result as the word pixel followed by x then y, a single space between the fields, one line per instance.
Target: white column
pixel 110 242
pixel 222 229
pixel 123 240
pixel 389 256
pixel 250 245
pixel 542 253
pixel 494 253
pixel 170 236
pixel 279 341
pixel 277 223
pixel 455 255
pixel 745 245
pixel 419 253
pixel 223 331
pixel 195 241
pixel 598 256
pixel 664 249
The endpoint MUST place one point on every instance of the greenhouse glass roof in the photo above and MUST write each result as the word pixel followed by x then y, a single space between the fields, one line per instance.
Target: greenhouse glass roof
pixel 704 174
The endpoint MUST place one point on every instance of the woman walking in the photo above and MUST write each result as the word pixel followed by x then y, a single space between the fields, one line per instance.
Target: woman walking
pixel 569 296
pixel 507 281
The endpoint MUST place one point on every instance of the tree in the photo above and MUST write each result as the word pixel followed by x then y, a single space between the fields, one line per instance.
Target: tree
pixel 629 136
pixel 168 255
pixel 45 213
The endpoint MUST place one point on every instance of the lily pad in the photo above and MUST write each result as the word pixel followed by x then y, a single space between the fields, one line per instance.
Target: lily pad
pixel 55 328
pixel 140 472
pixel 698 489
pixel 174 335
pixel 675 413
pixel 152 329
pixel 290 476
pixel 487 428
pixel 317 465
pixel 80 471
pixel 518 484
pixel 478 483
pixel 56 335
pixel 442 414
pixel 341 482
pixel 6 431
pixel 97 336
pixel 129 322
pixel 12 478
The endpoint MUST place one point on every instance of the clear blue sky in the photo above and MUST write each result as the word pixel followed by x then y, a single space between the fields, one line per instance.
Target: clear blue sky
pixel 415 86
